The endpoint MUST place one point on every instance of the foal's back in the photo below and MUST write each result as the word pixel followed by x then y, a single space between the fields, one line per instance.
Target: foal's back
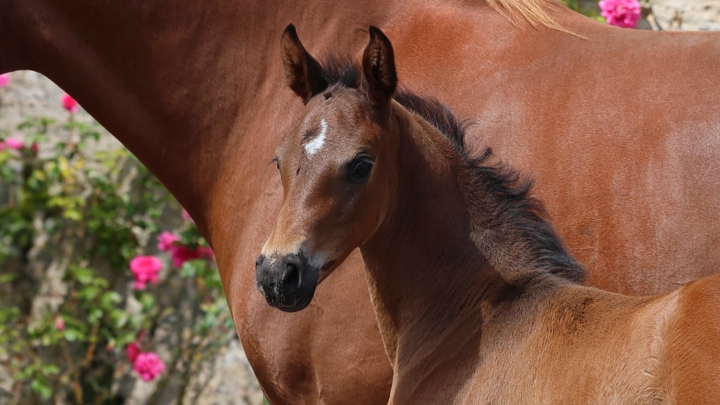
pixel 591 346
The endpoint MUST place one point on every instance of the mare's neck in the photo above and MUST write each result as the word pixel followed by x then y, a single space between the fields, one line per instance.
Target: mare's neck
pixel 447 259
pixel 183 87
pixel 187 88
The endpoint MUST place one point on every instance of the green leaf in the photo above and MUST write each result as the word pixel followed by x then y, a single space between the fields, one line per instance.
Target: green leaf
pixel 147 300
pixel 42 387
pixel 95 315
pixel 83 275
pixel 71 335
pixel 6 278
pixel 50 369
pixel 188 269
pixel 88 293
pixel 25 373
pixel 110 298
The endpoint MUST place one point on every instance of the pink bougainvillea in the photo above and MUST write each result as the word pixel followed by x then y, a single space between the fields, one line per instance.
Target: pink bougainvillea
pixel 148 366
pixel 4 79
pixel 186 216
pixel 60 323
pixel 181 254
pixel 132 351
pixel 620 13
pixel 14 143
pixel 69 103
pixel 166 241
pixel 2 146
pixel 145 270
pixel 169 242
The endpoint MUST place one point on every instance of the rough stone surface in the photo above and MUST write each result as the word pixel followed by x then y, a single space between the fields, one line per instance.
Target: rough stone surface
pixel 31 94
pixel 232 366
pixel 687 15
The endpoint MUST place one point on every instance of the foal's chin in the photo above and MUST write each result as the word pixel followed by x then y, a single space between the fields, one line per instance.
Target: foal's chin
pixel 295 305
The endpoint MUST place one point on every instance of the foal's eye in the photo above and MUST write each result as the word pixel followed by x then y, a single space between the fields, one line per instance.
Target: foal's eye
pixel 359 169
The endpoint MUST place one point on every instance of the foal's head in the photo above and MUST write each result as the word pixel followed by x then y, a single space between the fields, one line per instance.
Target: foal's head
pixel 335 170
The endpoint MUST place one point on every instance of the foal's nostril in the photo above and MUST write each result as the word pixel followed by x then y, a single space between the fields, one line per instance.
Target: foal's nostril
pixel 291 277
pixel 259 261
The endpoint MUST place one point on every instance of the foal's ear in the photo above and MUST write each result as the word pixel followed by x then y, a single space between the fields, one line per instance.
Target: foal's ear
pixel 379 67
pixel 302 72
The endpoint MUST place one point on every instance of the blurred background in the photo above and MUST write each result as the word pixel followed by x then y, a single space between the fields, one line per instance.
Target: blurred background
pixel 108 293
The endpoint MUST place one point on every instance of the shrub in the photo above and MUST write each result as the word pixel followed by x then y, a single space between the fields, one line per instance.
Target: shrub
pixel 90 306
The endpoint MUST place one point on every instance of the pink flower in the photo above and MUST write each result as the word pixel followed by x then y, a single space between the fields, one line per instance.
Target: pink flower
pixel 145 269
pixel 148 366
pixel 4 79
pixel 69 103
pixel 620 13
pixel 60 323
pixel 132 351
pixel 186 216
pixel 34 148
pixel 166 240
pixel 14 143
pixel 181 254
pixel 2 146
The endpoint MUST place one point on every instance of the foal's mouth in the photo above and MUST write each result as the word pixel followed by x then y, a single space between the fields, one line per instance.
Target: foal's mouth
pixel 298 302
pixel 297 305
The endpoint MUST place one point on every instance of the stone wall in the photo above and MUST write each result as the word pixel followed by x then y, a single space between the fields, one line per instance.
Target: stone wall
pixel 687 15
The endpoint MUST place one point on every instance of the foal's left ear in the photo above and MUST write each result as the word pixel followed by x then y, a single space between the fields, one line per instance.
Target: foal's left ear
pixel 379 68
pixel 302 72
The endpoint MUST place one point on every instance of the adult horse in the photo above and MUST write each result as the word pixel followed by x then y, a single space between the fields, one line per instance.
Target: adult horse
pixel 618 129
pixel 476 297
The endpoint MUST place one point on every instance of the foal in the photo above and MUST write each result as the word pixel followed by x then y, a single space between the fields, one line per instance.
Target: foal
pixel 475 296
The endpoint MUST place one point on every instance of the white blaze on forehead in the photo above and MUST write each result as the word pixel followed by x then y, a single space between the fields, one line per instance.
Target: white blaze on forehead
pixel 317 143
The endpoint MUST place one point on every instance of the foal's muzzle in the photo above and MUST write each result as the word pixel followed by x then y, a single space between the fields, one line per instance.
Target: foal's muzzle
pixel 287 281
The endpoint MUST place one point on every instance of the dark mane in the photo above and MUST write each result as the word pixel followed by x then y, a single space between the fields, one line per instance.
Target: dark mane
pixel 510 189
pixel 344 72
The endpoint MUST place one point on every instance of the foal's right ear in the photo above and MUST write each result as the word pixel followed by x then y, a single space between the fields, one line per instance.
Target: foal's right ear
pixel 302 72
pixel 379 68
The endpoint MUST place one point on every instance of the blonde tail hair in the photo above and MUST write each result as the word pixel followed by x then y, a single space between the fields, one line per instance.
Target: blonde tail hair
pixel 533 11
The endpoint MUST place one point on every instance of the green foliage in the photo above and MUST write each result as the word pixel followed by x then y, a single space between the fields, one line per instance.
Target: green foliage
pixel 89 213
pixel 588 8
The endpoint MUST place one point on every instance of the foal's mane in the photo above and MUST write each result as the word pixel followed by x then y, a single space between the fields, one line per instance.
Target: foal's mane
pixel 511 190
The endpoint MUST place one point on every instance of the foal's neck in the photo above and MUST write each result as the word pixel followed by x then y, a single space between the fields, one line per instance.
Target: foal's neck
pixel 446 259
